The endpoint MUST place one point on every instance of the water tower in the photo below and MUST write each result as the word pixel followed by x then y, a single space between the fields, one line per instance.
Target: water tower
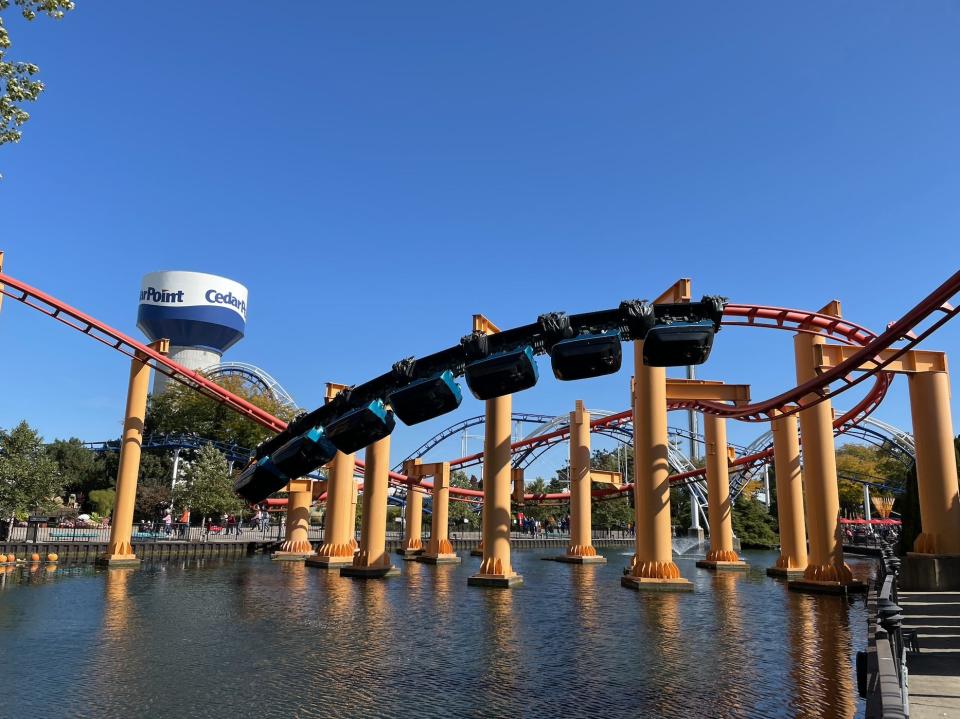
pixel 202 315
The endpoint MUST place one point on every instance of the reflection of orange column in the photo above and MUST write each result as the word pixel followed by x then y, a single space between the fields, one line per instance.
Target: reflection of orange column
pixel 721 554
pixel 413 515
pixel 936 463
pixel 439 549
pixel 495 569
pixel 120 551
pixel 297 545
pixel 372 560
pixel 793 531
pixel 580 550
pixel 336 550
pixel 826 570
pixel 652 566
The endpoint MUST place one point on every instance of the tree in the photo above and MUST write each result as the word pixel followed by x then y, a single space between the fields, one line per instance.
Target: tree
pixel 181 410
pixel 207 488
pixel 460 511
pixel 29 478
pixel 80 469
pixel 103 501
pixel 18 83
pixel 753 524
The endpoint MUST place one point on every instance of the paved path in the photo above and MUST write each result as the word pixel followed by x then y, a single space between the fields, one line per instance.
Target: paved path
pixel 934 673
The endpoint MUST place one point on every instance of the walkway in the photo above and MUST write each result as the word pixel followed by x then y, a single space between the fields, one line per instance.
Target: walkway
pixel 934 673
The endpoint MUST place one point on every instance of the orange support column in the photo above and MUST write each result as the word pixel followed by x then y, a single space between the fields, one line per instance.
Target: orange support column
pixel 372 561
pixel 120 551
pixel 581 549
pixel 336 551
pixel 793 529
pixel 652 567
pixel 936 464
pixel 439 549
pixel 826 571
pixel 413 516
pixel 495 569
pixel 297 546
pixel 721 554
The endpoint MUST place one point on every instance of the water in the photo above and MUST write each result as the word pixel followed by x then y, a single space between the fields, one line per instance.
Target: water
pixel 259 639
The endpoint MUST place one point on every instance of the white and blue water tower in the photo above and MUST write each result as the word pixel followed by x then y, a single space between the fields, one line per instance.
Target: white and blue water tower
pixel 202 315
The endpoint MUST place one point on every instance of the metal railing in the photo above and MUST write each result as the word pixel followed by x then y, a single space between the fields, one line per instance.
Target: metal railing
pixel 882 669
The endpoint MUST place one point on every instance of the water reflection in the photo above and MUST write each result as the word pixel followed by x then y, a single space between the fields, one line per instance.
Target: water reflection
pixel 284 640
pixel 822 683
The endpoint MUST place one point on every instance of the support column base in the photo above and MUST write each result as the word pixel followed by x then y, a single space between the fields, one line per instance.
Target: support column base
pixel 812 586
pixel 439 559
pixel 118 560
pixel 579 559
pixel 290 556
pixel 494 580
pixel 738 566
pixel 476 552
pixel 644 584
pixel 785 573
pixel 409 554
pixel 369 572
pixel 328 562
pixel 930 572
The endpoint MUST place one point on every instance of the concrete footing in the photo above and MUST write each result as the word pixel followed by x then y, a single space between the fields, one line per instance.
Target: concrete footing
pixel 930 572
pixel 723 566
pixel 409 554
pixel 493 580
pixel 369 572
pixel 784 573
pixel 567 559
pixel 114 560
pixel 329 562
pixel 814 587
pixel 439 559
pixel 290 556
pixel 475 552
pixel 642 584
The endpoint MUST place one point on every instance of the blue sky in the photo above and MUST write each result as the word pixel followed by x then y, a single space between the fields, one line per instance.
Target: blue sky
pixel 377 172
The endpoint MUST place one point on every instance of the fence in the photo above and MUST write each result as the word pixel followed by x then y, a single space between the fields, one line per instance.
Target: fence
pixel 882 668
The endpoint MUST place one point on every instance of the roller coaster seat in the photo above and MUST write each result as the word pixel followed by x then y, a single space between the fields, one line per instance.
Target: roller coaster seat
pixel 502 373
pixel 361 427
pixel 588 356
pixel 679 344
pixel 426 398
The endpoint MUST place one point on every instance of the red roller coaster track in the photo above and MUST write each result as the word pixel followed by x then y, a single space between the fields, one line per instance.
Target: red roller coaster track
pixel 935 305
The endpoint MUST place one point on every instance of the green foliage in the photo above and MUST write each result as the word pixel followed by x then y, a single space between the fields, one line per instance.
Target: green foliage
pixel 103 501
pixel 867 463
pixel 207 488
pixel 460 511
pixel 18 83
pixel 29 478
pixel 152 499
pixel 80 468
pixel 753 524
pixel 180 410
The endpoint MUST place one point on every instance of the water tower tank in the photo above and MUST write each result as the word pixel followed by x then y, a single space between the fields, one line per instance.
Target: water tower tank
pixel 202 315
